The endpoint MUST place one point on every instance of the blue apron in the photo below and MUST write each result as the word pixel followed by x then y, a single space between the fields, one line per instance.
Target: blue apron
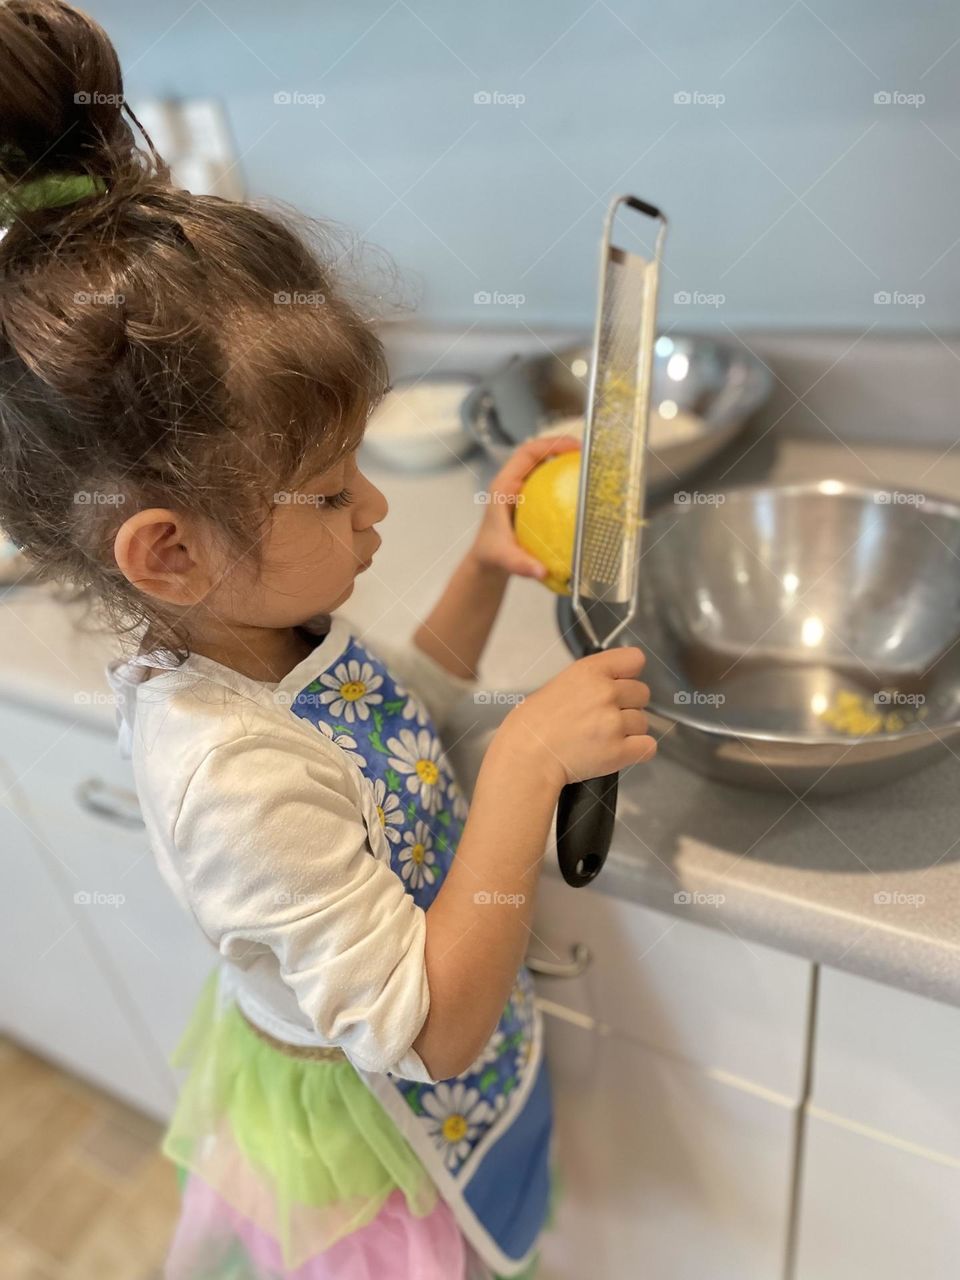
pixel 483 1136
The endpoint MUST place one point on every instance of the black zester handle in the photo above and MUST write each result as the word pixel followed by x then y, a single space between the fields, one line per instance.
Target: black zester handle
pixel 586 812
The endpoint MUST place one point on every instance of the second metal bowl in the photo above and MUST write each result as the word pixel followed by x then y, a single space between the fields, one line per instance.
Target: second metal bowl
pixel 701 383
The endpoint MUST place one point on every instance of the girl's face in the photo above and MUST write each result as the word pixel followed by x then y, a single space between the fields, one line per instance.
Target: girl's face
pixel 320 536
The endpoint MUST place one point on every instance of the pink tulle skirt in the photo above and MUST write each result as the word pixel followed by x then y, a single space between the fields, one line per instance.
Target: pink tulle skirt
pixel 212 1239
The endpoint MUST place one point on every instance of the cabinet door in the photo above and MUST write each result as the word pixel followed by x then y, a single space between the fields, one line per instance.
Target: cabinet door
pixel 81 806
pixel 665 1173
pixel 57 994
pixel 678 987
pixel 873 1209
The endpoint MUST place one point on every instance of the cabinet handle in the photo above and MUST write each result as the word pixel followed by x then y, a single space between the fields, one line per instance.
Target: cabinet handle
pixel 113 803
pixel 580 957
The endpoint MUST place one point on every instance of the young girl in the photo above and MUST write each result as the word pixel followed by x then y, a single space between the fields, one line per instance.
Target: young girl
pixel 366 1096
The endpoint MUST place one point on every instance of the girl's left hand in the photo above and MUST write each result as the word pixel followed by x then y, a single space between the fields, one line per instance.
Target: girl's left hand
pixel 495 545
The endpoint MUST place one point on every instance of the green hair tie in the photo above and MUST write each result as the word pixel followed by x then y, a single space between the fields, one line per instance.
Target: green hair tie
pixel 49 192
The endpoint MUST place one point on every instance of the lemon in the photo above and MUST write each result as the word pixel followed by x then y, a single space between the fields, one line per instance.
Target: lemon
pixel 546 519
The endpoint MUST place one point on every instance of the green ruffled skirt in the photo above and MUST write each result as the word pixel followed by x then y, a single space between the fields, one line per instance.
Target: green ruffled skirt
pixel 289 1166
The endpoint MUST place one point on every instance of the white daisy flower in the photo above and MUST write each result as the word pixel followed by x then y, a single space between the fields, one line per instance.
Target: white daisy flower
pixel 417 756
pixel 458 803
pixel 351 690
pixel 413 709
pixel 417 858
pixel 389 810
pixel 344 740
pixel 454 1114
pixel 489 1054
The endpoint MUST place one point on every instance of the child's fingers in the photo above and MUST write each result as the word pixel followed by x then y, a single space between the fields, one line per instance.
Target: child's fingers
pixel 527 456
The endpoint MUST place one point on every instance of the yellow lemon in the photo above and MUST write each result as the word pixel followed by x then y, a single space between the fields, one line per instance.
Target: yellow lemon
pixel 546 519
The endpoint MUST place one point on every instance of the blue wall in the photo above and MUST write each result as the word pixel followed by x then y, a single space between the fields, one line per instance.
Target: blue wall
pixel 796 200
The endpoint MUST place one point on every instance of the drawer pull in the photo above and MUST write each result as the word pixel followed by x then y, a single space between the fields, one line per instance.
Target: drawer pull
pixel 113 803
pixel 580 957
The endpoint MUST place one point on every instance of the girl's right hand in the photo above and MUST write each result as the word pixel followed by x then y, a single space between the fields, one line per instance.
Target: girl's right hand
pixel 588 721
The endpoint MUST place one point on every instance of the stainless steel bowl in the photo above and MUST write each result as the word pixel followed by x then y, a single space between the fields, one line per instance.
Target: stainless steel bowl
pixel 759 606
pixel 718 383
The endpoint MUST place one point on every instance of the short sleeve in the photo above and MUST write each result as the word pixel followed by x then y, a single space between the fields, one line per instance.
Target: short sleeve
pixel 273 851
pixel 439 688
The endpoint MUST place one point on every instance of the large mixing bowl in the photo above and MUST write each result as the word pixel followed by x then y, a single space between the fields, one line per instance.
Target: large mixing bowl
pixel 761 607
pixel 708 388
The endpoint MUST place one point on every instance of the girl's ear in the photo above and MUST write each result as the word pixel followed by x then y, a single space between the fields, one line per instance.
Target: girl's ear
pixel 158 552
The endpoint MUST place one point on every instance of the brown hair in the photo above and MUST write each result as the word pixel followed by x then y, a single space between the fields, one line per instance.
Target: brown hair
pixel 156 347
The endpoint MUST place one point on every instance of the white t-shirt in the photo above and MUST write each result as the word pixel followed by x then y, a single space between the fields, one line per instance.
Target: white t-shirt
pixel 268 835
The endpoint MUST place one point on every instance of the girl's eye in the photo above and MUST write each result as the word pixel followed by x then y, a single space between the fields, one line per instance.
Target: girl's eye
pixel 335 500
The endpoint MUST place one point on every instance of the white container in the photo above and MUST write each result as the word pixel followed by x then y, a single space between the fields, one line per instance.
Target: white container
pixel 417 425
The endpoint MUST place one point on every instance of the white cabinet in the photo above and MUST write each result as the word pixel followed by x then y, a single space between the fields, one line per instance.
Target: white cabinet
pixel 876 1210
pixel 881 1159
pixel 78 827
pixel 57 995
pixel 681 988
pixel 666 1173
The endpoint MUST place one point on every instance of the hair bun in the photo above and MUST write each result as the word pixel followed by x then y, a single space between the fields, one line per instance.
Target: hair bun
pixel 61 95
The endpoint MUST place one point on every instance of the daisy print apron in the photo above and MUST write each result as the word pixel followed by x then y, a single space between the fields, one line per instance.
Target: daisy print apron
pixel 483 1136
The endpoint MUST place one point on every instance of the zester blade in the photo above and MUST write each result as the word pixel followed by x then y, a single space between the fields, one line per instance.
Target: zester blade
pixel 612 479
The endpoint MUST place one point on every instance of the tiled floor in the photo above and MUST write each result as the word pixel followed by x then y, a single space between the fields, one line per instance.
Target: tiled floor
pixel 84 1192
